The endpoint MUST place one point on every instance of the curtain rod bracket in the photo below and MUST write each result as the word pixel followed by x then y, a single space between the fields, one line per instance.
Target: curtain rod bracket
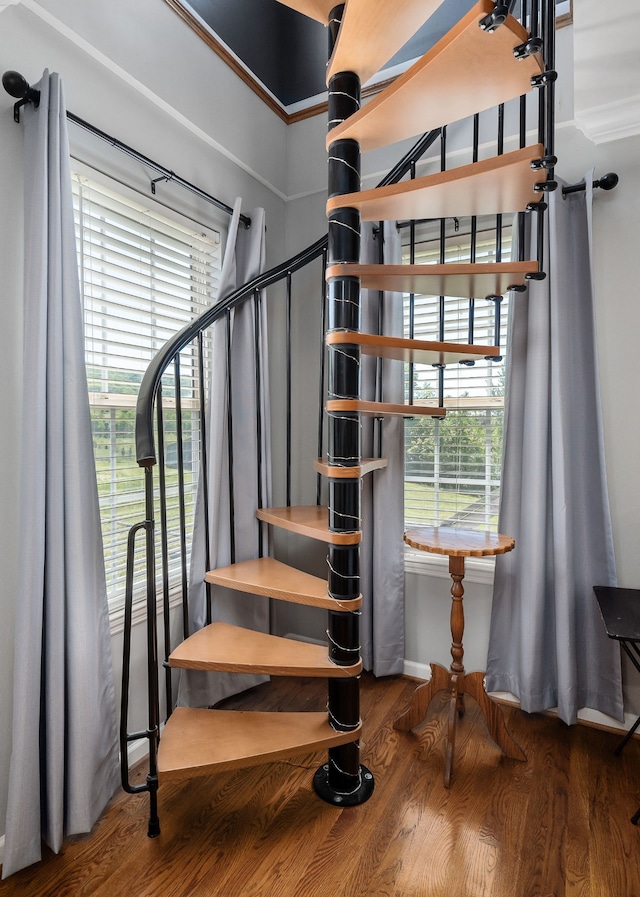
pixel 165 177
pixel 17 86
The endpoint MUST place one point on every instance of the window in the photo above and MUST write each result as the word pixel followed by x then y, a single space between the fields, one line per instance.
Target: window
pixel 452 467
pixel 142 277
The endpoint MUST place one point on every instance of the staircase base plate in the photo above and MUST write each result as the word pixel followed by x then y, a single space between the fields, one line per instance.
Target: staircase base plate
pixel 330 796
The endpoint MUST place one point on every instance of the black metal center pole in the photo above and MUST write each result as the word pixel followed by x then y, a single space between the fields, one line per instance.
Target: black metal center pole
pixel 343 781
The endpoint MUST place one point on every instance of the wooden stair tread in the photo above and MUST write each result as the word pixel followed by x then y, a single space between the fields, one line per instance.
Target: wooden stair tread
pixel 451 279
pixel 340 472
pixel 221 646
pixel 199 742
pixel 467 71
pixel 411 351
pixel 372 31
pixel 269 577
pixel 383 409
pixel 308 520
pixel 501 184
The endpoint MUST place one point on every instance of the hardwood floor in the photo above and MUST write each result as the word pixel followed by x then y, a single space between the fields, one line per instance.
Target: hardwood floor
pixel 558 824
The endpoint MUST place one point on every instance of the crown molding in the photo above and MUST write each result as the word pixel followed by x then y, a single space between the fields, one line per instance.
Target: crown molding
pixel 612 121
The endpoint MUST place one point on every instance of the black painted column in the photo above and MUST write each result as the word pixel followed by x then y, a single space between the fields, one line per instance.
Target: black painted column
pixel 343 781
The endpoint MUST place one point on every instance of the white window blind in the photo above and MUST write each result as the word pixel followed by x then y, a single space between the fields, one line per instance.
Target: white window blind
pixel 452 467
pixel 143 277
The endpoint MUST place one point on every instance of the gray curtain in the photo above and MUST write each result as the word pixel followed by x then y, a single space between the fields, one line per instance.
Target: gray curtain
pixel 244 259
pixel 547 641
pixel 382 548
pixel 64 760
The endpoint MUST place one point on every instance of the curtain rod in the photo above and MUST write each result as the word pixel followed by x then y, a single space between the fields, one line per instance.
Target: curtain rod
pixel 17 86
pixel 606 182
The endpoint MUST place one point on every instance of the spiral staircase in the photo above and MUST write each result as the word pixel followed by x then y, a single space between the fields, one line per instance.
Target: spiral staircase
pixel 486 59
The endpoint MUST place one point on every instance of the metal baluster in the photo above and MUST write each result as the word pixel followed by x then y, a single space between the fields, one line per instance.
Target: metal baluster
pixel 288 391
pixel 377 422
pixel 412 296
pixel 523 142
pixel 204 474
pixel 474 228
pixel 232 515
pixel 441 304
pixel 323 356
pixel 549 26
pixel 152 658
pixel 181 496
pixel 497 300
pixel 164 547
pixel 257 324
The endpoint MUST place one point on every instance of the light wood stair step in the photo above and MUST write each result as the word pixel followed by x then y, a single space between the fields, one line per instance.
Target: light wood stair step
pixel 501 184
pixel 198 742
pixel 340 472
pixel 384 409
pixel 273 579
pixel 411 351
pixel 221 646
pixel 308 520
pixel 372 31
pixel 467 71
pixel 473 281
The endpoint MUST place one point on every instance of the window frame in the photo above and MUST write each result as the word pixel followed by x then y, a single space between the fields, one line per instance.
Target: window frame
pixel 159 213
pixel 480 570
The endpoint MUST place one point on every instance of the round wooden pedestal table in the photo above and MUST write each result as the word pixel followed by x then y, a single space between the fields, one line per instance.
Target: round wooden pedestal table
pixel 458 544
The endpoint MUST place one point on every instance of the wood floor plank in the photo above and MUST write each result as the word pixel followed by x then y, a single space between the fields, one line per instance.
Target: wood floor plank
pixel 558 824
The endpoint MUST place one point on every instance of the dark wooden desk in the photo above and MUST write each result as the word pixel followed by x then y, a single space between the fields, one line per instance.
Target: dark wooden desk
pixel 458 544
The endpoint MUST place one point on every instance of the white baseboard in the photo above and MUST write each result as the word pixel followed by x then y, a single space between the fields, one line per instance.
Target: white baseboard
pixel 586 716
pixel 137 751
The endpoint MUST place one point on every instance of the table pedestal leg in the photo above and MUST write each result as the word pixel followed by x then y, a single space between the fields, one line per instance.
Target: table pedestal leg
pixel 458 684
pixel 494 717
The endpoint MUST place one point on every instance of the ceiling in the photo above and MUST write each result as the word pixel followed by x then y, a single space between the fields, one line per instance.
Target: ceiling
pixel 287 52
pixel 282 54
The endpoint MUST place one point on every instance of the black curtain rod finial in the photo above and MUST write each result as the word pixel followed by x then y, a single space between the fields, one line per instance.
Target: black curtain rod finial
pixel 606 182
pixel 17 86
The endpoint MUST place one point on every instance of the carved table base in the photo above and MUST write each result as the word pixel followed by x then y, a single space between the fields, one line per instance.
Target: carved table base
pixel 455 680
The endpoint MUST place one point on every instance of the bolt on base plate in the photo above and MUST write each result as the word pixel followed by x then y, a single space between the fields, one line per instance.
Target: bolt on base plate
pixel 354 798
